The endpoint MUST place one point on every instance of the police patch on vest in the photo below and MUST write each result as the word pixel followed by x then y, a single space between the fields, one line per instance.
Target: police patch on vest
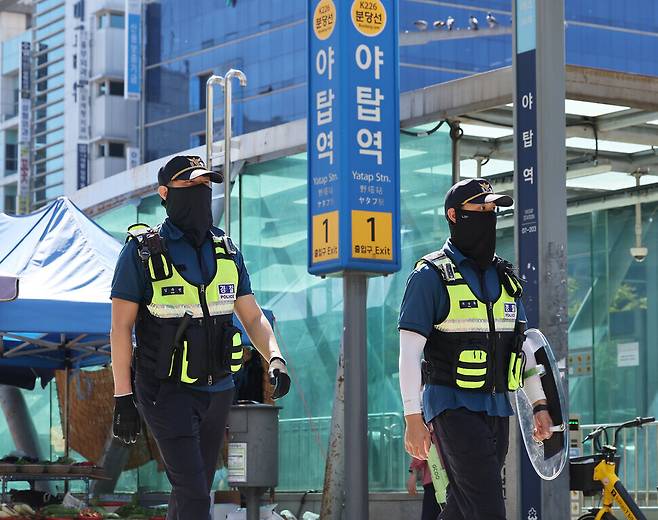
pixel 468 304
pixel 226 291
pixel 173 290
pixel 510 311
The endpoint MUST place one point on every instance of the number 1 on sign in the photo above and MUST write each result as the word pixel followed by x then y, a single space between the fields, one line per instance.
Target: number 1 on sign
pixel 324 240
pixel 371 221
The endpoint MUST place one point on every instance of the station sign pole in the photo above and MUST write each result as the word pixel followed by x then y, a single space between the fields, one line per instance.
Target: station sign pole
pixel 541 222
pixel 354 184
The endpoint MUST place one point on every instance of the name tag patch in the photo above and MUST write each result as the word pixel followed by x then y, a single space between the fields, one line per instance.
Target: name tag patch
pixel 226 291
pixel 468 304
pixel 510 311
pixel 173 290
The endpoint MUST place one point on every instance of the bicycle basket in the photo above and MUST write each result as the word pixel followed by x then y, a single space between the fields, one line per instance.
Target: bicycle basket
pixel 581 474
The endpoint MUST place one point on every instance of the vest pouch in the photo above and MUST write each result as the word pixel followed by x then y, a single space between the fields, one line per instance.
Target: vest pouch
pixel 233 353
pixel 515 371
pixel 471 367
pixel 196 354
pixel 168 356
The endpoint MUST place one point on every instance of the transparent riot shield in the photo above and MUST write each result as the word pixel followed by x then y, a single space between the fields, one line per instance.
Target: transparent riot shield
pixel 550 456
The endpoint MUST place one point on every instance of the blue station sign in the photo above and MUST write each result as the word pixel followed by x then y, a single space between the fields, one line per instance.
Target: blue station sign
pixel 353 137
pixel 527 202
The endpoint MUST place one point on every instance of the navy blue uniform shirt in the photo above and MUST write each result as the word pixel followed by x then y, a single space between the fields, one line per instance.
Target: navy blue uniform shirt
pixel 130 281
pixel 425 303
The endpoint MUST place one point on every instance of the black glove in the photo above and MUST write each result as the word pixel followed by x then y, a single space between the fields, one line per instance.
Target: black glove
pixel 279 377
pixel 126 424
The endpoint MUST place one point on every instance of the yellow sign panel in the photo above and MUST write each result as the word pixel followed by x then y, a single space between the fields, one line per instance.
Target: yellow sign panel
pixel 324 19
pixel 369 17
pixel 372 235
pixel 325 237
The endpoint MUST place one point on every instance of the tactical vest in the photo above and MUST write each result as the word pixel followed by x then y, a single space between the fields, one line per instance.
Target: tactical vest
pixel 477 346
pixel 186 332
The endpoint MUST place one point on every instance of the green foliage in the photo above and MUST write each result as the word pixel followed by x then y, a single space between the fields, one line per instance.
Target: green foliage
pixel 626 299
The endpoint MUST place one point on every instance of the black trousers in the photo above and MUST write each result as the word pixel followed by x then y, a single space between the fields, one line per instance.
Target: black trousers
pixel 474 446
pixel 188 426
pixel 430 507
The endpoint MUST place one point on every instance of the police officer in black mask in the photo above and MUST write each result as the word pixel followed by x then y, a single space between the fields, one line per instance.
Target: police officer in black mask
pixel 179 285
pixel 462 313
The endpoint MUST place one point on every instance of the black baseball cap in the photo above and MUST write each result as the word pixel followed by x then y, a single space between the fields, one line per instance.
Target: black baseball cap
pixel 186 168
pixel 475 191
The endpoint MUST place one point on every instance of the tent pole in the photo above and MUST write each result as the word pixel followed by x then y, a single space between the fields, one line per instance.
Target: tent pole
pixel 66 419
pixel 66 411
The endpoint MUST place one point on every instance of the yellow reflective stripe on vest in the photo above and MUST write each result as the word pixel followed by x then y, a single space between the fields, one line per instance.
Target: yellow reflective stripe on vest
pixel 218 308
pixel 236 352
pixel 471 371
pixel 473 356
pixel 175 311
pixel 464 325
pixel 183 369
pixel 175 295
pixel 470 384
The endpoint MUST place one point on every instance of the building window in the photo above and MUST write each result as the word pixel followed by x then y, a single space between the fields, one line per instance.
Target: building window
pixel 203 78
pixel 117 149
pixel 111 149
pixel 114 20
pixel 10 203
pixel 115 88
pixel 11 158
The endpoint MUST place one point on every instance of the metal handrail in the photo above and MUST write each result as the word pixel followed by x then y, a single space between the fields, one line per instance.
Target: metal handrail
pixel 226 82
pixel 306 441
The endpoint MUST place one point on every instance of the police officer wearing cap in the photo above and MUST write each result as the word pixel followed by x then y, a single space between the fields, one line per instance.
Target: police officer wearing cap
pixel 179 285
pixel 463 314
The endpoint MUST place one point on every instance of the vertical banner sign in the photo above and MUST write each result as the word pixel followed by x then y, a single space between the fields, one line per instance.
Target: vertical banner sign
pixel 132 157
pixel 82 96
pixel 83 165
pixel 133 50
pixel 24 128
pixel 353 137
pixel 527 215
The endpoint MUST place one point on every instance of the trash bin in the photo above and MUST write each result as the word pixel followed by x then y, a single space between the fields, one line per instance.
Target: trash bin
pixel 253 451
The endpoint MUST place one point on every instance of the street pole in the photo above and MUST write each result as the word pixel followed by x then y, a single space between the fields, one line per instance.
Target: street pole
pixel 541 207
pixel 356 395
pixel 334 473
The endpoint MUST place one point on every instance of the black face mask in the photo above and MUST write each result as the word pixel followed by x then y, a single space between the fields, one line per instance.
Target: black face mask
pixel 189 210
pixel 474 234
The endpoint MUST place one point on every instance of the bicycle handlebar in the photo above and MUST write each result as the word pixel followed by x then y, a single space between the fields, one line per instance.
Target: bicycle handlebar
pixel 638 422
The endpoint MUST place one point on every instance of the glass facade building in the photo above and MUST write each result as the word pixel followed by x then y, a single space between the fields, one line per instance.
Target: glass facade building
pixel 188 41
pixel 48 105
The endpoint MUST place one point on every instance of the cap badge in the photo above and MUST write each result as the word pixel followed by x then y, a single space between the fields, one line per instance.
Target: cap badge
pixel 197 162
pixel 486 187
